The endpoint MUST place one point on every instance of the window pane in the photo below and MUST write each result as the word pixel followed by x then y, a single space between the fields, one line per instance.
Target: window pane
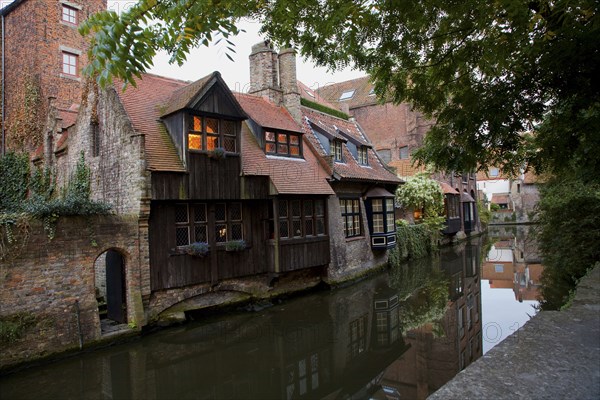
pixel 308 227
pixel 295 140
pixel 282 149
pixel 212 142
pixel 319 208
pixel 236 232
pixel 389 204
pixel 377 205
pixel 194 142
pixel 228 127
pixel 391 225
pixel 200 233
pixel 308 208
pixel 235 211
pixel 343 205
pixel 283 228
pixel 182 236
pixel 212 125
pixel 229 144
pixel 282 138
pixel 270 148
pixel 356 225
pixel 200 213
pixel 220 212
pixel 297 227
pixel 294 150
pixel 221 233
pixel 355 203
pixel 296 208
pixel 181 213
pixel 378 223
pixel 270 136
pixel 195 123
pixel 283 211
pixel 320 226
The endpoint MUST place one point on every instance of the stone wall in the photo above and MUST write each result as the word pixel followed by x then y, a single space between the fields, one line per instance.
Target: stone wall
pixel 54 281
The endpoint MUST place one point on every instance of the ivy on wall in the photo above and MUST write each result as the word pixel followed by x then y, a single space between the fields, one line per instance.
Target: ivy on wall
pixel 27 119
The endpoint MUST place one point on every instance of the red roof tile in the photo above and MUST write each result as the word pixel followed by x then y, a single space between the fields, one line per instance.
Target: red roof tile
pixel 349 169
pixel 312 95
pixel 362 92
pixel 143 104
pixel 68 117
pixel 500 198
pixel 266 114
pixel 288 176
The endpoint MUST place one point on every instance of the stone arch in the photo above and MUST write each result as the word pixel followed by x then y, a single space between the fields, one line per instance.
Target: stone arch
pixel 110 271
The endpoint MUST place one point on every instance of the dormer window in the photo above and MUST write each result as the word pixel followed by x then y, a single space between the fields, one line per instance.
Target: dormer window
pixel 210 133
pixel 363 155
pixel 283 144
pixel 336 150
pixel 69 15
pixel 347 95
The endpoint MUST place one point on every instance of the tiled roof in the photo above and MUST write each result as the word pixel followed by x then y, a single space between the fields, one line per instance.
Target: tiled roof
pixel 405 168
pixel 447 189
pixel 291 176
pixel 350 169
pixel 63 142
pixel 266 114
pixel 182 96
pixel 530 178
pixel 68 117
pixel 500 198
pixel 6 10
pixel 312 95
pixel 361 97
pixel 143 105
pixel 485 175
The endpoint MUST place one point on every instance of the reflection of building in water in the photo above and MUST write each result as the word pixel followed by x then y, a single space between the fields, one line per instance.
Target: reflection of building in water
pixel 514 263
pixel 438 351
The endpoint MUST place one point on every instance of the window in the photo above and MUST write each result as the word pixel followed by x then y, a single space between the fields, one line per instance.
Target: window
pixel 372 91
pixel 69 63
pixel 228 222
pixel 283 144
pixel 383 215
pixel 452 205
pixel 494 172
pixel 465 178
pixel 498 268
pixel 95 130
pixel 357 335
pixel 336 150
pixel 191 223
pixel 363 155
pixel 347 95
pixel 403 153
pixel 210 133
pixel 351 217
pixel 301 218
pixel 69 14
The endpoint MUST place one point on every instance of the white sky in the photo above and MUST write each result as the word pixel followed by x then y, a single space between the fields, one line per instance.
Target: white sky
pixel 204 60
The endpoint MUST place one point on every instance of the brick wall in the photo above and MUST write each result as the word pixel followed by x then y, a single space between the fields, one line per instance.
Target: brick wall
pixel 50 279
pixel 35 37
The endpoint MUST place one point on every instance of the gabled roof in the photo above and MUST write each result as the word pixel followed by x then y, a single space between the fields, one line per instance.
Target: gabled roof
pixel 362 92
pixel 143 104
pixel 349 169
pixel 500 198
pixel 266 114
pixel 189 96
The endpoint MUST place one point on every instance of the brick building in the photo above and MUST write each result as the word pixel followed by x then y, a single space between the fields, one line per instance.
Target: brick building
pixel 43 57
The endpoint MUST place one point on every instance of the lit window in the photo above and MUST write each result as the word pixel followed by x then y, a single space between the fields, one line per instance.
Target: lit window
pixel 191 223
pixel 347 95
pixel 69 63
pixel 283 144
pixel 351 217
pixel 228 222
pixel 383 215
pixel 69 14
pixel 403 153
pixel 336 150
pixel 362 155
pixel 210 133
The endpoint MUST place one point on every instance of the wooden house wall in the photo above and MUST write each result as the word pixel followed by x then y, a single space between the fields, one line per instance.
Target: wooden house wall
pixel 296 254
pixel 208 179
pixel 170 268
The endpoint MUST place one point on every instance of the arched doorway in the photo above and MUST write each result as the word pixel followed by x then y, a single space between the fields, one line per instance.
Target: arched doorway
pixel 110 288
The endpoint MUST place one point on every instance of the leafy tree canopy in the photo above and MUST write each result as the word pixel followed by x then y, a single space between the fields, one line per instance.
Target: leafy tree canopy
pixel 508 82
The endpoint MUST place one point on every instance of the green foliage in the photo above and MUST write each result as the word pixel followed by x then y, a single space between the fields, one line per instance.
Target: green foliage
pixel 323 109
pixel 14 326
pixel 413 241
pixel 14 170
pixel 485 215
pixel 197 249
pixel 422 193
pixel 494 207
pixel 568 233
pixel 235 245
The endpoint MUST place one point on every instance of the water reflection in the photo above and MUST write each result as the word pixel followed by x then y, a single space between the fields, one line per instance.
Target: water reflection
pixel 401 334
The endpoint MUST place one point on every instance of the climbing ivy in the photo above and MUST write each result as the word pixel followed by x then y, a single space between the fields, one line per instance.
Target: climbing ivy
pixel 14 170
pixel 25 130
pixel 413 241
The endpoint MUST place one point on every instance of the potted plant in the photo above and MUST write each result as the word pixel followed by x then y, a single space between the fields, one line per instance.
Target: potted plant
pixel 217 154
pixel 197 249
pixel 235 245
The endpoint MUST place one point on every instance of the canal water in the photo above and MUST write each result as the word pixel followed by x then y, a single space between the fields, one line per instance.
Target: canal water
pixel 401 334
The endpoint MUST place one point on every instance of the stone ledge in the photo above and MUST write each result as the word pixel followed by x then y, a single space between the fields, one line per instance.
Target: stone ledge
pixel 555 355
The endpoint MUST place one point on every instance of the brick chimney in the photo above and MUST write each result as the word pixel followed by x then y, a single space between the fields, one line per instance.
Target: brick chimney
pixel 289 83
pixel 264 72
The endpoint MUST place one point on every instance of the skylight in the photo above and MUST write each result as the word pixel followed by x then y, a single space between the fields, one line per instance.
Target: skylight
pixel 347 94
pixel 372 92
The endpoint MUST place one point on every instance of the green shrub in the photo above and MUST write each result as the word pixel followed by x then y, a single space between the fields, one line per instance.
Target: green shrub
pixel 323 109
pixel 14 172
